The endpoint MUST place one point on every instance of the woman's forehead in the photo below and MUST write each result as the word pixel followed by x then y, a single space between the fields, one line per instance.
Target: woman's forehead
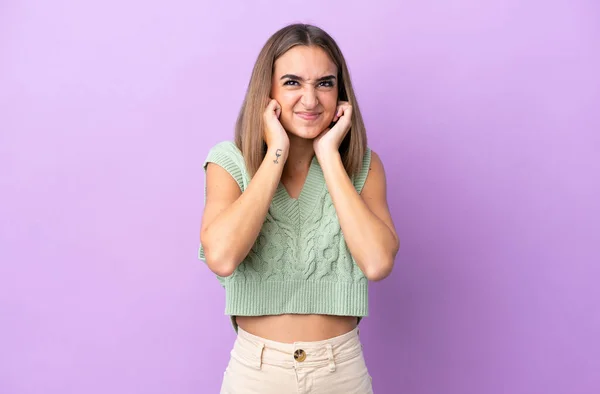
pixel 306 62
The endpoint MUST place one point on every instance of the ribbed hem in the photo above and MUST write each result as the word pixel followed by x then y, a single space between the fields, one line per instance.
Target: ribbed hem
pixel 258 298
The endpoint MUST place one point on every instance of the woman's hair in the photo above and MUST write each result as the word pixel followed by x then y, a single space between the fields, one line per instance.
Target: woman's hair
pixel 250 124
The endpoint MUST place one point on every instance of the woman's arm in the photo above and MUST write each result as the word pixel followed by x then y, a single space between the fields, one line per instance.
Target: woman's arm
pixel 365 219
pixel 232 219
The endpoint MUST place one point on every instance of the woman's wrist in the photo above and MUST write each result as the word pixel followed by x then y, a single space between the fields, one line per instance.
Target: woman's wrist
pixel 328 156
pixel 278 153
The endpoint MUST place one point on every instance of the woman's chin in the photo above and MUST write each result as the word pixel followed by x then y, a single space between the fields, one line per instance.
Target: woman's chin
pixel 307 133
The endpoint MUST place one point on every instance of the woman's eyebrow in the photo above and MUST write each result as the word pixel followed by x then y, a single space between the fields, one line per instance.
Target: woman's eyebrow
pixel 327 78
pixel 297 78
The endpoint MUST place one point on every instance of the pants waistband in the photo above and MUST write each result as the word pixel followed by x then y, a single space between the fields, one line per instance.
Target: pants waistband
pixel 255 351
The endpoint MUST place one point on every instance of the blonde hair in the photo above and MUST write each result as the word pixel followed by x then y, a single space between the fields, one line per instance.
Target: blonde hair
pixel 250 124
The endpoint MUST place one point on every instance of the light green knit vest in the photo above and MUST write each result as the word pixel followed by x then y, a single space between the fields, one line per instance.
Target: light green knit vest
pixel 300 262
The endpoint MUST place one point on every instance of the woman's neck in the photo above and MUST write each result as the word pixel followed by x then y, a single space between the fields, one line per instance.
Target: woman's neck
pixel 300 156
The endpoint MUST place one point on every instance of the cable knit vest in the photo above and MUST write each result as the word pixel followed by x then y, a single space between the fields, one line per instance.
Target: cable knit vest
pixel 300 262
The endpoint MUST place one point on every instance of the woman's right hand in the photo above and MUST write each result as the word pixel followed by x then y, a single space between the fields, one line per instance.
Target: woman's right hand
pixel 274 134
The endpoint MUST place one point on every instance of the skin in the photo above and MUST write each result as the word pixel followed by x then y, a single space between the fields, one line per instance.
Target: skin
pixel 304 103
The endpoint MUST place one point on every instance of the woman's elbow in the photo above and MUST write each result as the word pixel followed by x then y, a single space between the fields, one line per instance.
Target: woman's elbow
pixel 218 260
pixel 380 268
pixel 220 265
pixel 378 273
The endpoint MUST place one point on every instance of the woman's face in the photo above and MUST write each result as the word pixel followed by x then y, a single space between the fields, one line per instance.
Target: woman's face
pixel 305 85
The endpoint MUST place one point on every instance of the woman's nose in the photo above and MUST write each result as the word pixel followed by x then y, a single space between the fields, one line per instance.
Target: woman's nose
pixel 309 98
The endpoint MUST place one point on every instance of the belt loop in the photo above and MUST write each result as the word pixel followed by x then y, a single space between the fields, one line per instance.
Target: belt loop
pixel 330 357
pixel 261 348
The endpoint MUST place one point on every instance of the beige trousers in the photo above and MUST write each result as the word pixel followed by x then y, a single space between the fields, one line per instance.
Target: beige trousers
pixel 332 366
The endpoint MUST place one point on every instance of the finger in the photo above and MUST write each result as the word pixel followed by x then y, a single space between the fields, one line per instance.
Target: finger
pixel 269 109
pixel 277 108
pixel 273 104
pixel 273 108
pixel 341 109
pixel 346 109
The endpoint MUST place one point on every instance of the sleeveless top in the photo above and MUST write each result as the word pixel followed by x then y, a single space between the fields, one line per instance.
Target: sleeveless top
pixel 300 262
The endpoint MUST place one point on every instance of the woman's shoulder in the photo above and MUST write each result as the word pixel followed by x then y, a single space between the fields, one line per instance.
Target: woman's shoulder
pixel 225 150
pixel 226 146
pixel 227 155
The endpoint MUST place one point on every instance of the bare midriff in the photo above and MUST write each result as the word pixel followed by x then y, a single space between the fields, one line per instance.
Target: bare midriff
pixel 297 328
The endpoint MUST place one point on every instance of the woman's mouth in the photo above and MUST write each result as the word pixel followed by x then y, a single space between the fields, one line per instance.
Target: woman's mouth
pixel 308 115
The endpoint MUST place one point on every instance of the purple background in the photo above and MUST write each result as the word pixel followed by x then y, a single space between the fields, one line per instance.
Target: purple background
pixel 484 113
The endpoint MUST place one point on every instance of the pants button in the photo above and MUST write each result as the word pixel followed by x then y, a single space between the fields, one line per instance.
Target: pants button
pixel 299 355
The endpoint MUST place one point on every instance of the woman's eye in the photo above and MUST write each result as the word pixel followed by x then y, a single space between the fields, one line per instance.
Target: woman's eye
pixel 327 84
pixel 290 83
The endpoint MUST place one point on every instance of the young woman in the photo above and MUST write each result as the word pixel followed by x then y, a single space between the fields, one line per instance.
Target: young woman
pixel 296 222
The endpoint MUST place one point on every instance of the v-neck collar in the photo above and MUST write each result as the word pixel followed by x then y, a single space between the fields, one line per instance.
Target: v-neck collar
pixel 298 208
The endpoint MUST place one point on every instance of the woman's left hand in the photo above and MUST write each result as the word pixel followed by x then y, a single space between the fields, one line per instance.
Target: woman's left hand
pixel 330 139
